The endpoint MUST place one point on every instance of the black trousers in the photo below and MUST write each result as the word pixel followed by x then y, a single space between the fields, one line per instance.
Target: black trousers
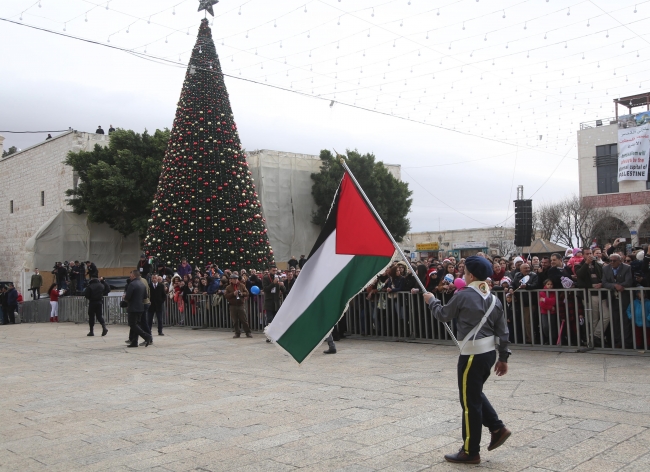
pixel 10 316
pixel 95 309
pixel 136 329
pixel 473 371
pixel 36 293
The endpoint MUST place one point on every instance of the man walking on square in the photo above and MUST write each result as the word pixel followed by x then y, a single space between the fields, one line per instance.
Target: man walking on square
pixel 157 298
pixel 94 293
pixel 236 295
pixel 135 295
pixel 480 322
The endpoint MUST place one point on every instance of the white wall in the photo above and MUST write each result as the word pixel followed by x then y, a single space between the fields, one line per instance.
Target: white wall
pixel 23 176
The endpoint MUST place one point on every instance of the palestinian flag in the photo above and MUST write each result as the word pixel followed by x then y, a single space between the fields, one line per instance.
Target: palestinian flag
pixel 352 248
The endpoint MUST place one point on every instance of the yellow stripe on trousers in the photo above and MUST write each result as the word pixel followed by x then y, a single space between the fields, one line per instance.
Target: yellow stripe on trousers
pixel 469 364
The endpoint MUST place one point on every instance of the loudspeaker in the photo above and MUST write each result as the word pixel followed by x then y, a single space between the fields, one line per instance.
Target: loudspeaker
pixel 523 222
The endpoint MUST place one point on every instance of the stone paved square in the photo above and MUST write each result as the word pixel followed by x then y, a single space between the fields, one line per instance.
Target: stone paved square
pixel 201 400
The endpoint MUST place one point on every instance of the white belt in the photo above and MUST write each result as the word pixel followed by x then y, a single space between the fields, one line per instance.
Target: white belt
pixel 471 345
pixel 478 346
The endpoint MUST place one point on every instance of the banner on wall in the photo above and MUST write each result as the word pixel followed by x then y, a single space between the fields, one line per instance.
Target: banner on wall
pixel 633 153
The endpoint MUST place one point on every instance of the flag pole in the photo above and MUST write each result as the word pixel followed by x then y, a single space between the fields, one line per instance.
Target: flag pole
pixel 395 245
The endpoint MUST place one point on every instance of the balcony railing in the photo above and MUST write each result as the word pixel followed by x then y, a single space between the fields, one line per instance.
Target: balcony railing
pixel 596 123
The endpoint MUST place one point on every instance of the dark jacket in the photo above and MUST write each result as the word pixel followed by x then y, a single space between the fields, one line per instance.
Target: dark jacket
pixel 271 296
pixel 583 274
pixel 12 297
pixel 157 296
pixel 213 286
pixel 533 283
pixel 94 291
pixel 623 277
pixel 144 267
pixel 301 262
pixel 107 288
pixel 292 263
pixel 75 271
pixel 232 297
pixel 92 271
pixel 135 295
pixel 61 273
pixel 555 274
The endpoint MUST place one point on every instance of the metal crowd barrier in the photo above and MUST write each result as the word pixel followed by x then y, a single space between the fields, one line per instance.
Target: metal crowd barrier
pixel 35 311
pixel 196 311
pixel 580 318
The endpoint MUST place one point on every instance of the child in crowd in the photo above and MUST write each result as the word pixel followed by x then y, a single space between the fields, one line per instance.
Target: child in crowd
pixel 547 301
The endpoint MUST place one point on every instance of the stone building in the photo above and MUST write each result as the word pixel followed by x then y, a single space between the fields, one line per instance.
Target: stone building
pixel 33 182
pixel 628 201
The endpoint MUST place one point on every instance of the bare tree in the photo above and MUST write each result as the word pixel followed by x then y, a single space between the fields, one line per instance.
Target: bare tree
pixel 545 220
pixel 573 223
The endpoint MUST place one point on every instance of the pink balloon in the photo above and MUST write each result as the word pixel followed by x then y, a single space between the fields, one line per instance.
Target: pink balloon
pixel 459 283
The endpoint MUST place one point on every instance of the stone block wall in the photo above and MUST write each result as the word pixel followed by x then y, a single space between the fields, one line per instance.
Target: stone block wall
pixel 23 176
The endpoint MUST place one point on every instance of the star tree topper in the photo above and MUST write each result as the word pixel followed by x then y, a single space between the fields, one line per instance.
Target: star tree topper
pixel 207 5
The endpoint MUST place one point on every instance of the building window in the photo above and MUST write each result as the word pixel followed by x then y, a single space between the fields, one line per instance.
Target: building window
pixel 42 198
pixel 11 206
pixel 607 168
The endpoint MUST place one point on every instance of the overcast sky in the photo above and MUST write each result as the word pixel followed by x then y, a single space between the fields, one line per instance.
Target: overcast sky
pixel 556 64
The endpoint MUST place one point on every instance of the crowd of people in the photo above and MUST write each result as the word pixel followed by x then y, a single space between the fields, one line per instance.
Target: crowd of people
pixel 540 295
pixel 536 292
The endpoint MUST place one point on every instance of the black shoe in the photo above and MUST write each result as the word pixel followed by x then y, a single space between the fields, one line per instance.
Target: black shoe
pixel 598 342
pixel 148 341
pixel 330 351
pixel 132 345
pixel 498 438
pixel 268 340
pixel 90 334
pixel 160 334
pixel 249 335
pixel 141 344
pixel 462 458
pixel 104 331
pixel 237 336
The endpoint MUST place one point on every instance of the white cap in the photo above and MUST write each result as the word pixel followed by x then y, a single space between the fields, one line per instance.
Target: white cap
pixel 518 259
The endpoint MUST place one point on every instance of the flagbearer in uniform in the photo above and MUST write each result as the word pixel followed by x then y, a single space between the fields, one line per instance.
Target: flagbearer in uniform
pixel 482 330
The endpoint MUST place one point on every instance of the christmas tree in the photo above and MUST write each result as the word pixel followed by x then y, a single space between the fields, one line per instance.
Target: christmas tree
pixel 206 208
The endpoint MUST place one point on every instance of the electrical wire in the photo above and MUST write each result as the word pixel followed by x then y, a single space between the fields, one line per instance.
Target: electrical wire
pixel 174 64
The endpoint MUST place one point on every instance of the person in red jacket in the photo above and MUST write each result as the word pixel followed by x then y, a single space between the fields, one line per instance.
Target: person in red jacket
pixel 547 302
pixel 54 303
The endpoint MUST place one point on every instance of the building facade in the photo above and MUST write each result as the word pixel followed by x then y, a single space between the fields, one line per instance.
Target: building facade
pixel 628 201
pixel 33 182
pixel 460 243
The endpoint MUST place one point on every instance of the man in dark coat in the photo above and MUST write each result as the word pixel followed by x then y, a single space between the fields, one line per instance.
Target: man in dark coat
pixel 94 293
pixel 157 297
pixel 93 273
pixel 302 261
pixel 616 278
pixel 272 290
pixel 135 295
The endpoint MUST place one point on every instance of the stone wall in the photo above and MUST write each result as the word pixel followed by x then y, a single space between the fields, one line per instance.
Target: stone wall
pixel 23 176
